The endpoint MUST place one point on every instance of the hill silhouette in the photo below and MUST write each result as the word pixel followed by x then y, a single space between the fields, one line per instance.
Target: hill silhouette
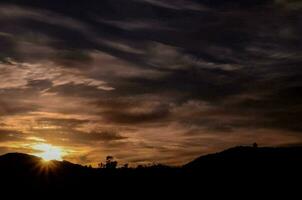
pixel 15 160
pixel 244 156
pixel 242 165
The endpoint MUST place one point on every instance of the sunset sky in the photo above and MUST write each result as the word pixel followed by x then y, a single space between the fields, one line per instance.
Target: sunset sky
pixel 149 81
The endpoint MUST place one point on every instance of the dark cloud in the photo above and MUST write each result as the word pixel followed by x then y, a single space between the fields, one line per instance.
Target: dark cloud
pixel 6 42
pixel 39 85
pixel 105 136
pixel 125 117
pixel 15 107
pixel 10 135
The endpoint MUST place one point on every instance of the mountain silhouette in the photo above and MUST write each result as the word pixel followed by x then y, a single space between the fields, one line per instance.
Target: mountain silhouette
pixel 242 165
pixel 244 156
pixel 15 159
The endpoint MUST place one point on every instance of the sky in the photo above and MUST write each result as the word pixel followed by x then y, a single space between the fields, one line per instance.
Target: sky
pixel 149 81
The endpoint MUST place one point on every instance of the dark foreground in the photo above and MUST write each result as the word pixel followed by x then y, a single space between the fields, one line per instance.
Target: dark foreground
pixel 240 169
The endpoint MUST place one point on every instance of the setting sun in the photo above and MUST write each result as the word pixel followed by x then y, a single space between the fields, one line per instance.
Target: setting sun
pixel 48 152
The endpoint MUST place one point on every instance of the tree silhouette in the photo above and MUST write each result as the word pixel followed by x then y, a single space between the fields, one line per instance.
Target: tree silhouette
pixel 125 166
pixel 102 165
pixel 110 163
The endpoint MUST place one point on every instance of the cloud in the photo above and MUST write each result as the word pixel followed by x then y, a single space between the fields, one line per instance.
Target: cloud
pixel 135 117
pixel 13 103
pixel 63 123
pixel 163 80
pixel 177 5
pixel 104 136
pixel 10 135
pixel 17 75
pixel 293 5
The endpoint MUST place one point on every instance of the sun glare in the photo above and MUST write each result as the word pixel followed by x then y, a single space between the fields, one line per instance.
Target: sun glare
pixel 48 152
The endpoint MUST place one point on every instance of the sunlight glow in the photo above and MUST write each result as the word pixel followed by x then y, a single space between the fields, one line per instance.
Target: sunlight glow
pixel 48 152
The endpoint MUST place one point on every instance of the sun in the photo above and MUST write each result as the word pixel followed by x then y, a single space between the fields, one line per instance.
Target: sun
pixel 48 152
